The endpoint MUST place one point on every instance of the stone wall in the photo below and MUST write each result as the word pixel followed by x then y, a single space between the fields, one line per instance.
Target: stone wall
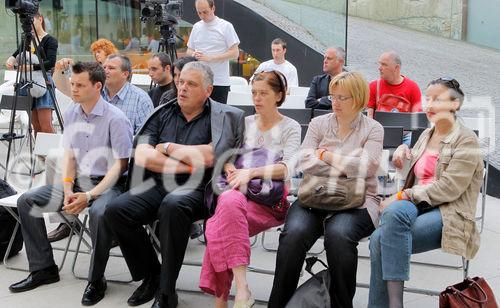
pixel 439 17
pixel 443 17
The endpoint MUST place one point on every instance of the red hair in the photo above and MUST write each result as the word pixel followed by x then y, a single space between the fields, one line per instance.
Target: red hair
pixel 105 45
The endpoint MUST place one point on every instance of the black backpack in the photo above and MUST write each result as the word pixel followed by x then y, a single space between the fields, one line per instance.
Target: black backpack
pixel 7 225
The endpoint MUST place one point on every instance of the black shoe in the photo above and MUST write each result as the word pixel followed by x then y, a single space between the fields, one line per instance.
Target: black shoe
pixel 62 231
pixel 145 292
pixel 35 279
pixel 94 292
pixel 165 301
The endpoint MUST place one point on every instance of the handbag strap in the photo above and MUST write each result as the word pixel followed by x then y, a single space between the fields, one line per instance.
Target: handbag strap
pixel 310 263
pixel 479 301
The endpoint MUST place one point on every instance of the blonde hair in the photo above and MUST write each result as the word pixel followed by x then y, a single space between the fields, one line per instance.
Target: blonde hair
pixel 356 85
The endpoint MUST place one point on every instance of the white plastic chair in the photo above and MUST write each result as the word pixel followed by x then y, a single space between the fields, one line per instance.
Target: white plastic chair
pixel 239 99
pixel 237 80
pixel 10 75
pixel 141 80
pixel 300 91
pixel 241 88
pixel 294 102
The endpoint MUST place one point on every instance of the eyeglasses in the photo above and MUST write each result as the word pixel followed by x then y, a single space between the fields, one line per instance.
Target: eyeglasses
pixel 451 82
pixel 338 98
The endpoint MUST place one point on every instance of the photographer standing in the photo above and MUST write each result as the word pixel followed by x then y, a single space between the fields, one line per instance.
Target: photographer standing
pixel 42 106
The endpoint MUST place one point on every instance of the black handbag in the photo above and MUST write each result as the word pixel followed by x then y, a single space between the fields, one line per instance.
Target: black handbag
pixel 314 293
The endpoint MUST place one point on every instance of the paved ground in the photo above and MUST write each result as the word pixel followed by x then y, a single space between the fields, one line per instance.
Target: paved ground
pixel 68 292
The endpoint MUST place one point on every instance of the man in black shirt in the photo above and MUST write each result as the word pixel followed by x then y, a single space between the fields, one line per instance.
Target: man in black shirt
pixel 177 147
pixel 333 64
pixel 159 67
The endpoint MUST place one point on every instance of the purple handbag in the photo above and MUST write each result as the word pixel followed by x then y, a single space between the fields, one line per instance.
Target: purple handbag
pixel 271 193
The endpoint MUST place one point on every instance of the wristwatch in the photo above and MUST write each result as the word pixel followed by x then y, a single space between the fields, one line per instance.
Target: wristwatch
pixel 165 147
pixel 89 196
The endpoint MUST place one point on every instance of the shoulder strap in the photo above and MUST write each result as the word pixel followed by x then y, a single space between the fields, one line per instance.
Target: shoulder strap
pixel 377 94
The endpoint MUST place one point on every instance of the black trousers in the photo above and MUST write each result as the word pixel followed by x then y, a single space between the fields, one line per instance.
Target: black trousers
pixel 219 94
pixel 176 211
pixel 342 233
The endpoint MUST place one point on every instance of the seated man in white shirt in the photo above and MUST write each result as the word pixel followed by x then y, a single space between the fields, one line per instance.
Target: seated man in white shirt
pixel 279 63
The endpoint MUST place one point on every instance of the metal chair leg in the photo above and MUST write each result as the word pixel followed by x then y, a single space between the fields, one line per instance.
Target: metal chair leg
pixel 84 230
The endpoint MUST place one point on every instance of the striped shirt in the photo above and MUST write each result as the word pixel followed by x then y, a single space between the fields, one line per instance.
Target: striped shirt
pixel 134 102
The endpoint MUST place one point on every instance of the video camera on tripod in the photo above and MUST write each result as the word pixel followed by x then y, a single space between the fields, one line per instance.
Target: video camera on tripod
pixel 162 12
pixel 26 9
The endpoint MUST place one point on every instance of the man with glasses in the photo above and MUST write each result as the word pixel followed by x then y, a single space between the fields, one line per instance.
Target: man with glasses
pixel 392 91
pixel 333 64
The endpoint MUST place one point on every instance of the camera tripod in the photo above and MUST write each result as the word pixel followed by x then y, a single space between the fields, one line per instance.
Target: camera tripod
pixel 24 82
pixel 167 41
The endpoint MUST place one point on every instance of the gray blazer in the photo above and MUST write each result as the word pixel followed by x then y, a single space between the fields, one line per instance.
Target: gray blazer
pixel 227 125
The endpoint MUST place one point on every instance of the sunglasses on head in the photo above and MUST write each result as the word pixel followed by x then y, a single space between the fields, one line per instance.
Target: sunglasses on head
pixel 451 82
pixel 281 78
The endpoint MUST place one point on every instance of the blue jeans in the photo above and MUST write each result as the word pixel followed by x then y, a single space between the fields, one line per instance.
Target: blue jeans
pixel 402 231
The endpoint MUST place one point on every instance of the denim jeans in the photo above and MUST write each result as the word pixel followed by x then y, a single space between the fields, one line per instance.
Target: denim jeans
pixel 403 230
pixel 342 231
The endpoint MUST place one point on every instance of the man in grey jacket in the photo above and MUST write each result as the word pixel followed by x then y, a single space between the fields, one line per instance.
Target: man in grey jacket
pixel 176 148
pixel 333 64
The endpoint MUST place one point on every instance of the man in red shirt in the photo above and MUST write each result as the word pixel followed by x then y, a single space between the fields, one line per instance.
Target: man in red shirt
pixel 393 91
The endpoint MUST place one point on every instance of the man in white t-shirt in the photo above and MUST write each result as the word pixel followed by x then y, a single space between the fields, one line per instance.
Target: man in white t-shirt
pixel 279 63
pixel 214 41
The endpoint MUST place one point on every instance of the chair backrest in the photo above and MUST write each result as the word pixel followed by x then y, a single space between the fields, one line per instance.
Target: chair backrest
pixel 241 88
pixel 237 80
pixel 247 110
pixel 415 134
pixel 63 102
pixel 294 102
pixel 320 112
pixel 45 142
pixel 23 103
pixel 301 91
pixel 407 120
pixel 141 80
pixel 481 125
pixel 393 136
pixel 10 75
pixel 303 116
pixel 238 99
pixel 303 131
